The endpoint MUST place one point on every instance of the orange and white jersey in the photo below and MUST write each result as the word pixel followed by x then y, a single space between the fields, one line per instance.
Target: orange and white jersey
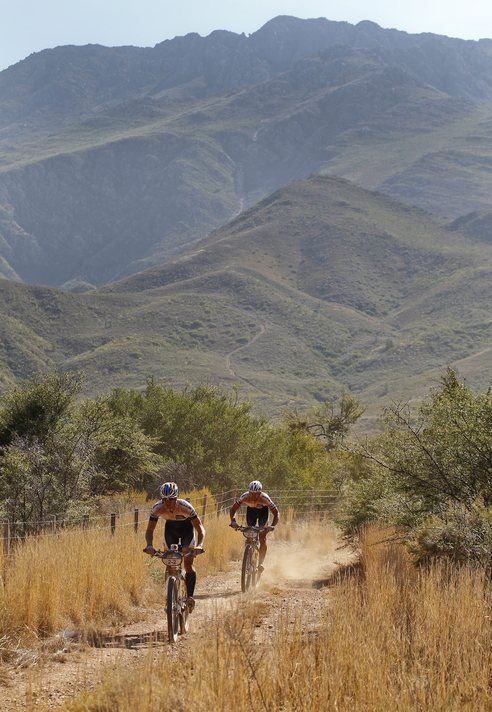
pixel 179 512
pixel 250 500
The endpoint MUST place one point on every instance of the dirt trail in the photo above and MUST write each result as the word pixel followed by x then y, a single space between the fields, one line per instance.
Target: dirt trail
pixel 240 348
pixel 237 350
pixel 74 667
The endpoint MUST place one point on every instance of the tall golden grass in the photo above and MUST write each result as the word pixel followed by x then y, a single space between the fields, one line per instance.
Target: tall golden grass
pixel 221 545
pixel 392 639
pixel 85 578
pixel 76 578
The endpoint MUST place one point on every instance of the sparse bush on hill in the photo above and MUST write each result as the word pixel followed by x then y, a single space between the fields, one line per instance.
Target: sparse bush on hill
pixel 430 474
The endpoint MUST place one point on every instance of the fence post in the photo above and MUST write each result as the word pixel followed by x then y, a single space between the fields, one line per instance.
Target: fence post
pixel 6 540
pixel 6 549
pixel 113 523
pixel 135 519
pixel 204 506
pixel 85 521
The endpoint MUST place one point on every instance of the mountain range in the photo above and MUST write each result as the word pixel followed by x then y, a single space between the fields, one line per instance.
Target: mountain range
pixel 113 159
pixel 300 211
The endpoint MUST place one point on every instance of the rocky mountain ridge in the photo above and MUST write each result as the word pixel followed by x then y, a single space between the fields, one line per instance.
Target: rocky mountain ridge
pixel 113 159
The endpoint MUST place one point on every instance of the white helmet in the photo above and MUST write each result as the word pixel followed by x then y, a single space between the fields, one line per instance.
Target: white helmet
pixel 255 486
pixel 169 490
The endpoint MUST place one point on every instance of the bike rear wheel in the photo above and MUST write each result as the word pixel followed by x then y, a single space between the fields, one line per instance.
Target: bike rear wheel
pixel 172 609
pixel 183 607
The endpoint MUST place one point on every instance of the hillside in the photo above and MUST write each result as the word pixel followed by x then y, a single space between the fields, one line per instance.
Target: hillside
pixel 321 287
pixel 113 159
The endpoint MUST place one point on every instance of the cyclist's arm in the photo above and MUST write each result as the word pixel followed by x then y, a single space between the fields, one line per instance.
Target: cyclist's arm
pixel 274 510
pixel 149 534
pixel 200 530
pixel 233 510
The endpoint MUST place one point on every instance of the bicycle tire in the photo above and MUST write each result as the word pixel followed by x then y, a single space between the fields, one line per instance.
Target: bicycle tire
pixel 172 609
pixel 255 574
pixel 246 568
pixel 184 623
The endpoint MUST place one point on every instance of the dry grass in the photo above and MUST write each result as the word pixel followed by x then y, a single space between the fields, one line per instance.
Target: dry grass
pixel 222 544
pixel 396 639
pixel 84 579
pixel 76 579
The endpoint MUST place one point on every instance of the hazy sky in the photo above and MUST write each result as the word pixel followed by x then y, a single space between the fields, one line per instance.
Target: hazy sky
pixel 31 25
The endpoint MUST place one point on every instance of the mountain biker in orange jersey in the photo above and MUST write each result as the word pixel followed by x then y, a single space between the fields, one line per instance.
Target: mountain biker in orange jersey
pixel 182 523
pixel 258 503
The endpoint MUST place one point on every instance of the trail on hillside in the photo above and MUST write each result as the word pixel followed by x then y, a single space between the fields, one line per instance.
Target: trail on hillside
pixel 294 576
pixel 241 348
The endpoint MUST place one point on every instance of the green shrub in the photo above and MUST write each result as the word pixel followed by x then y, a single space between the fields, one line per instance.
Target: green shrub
pixel 430 474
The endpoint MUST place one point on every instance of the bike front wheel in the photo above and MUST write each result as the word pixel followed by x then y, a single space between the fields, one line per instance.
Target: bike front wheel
pixel 172 609
pixel 255 573
pixel 183 607
pixel 248 571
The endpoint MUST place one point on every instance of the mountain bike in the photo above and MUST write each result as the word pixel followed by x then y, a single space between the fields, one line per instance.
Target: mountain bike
pixel 250 571
pixel 176 594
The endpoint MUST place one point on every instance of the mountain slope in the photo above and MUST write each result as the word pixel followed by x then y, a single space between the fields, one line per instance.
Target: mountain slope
pixel 321 287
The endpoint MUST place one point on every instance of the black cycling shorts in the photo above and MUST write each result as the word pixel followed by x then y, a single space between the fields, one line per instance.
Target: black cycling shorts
pixel 256 516
pixel 179 533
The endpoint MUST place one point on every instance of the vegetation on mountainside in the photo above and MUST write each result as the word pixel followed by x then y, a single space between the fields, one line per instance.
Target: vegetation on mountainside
pixel 321 288
pixel 429 474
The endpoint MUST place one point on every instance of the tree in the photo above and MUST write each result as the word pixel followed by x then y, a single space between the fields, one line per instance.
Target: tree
pixel 57 453
pixel 38 407
pixel 213 439
pixel 123 455
pixel 329 424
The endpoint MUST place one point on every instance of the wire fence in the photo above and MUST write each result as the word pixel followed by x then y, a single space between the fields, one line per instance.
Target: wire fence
pixel 298 503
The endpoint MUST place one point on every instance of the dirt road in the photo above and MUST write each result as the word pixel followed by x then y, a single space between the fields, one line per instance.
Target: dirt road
pixel 67 667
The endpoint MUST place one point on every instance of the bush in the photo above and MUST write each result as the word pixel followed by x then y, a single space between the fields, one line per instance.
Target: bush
pixel 430 474
pixel 55 452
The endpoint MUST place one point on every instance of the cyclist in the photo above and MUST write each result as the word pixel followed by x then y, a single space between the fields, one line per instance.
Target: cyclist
pixel 182 526
pixel 258 503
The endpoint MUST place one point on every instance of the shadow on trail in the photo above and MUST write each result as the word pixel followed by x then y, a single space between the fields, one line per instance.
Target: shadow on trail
pixel 136 641
pixel 211 596
pixel 130 641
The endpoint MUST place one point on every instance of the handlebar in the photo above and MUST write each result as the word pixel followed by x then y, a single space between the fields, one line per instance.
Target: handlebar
pixel 240 528
pixel 194 552
pixel 163 554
